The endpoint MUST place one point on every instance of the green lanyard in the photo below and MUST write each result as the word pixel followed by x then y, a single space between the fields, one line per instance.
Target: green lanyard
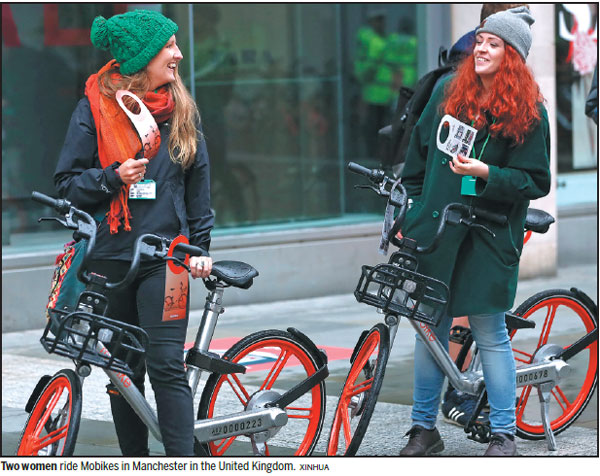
pixel 467 186
pixel 484 144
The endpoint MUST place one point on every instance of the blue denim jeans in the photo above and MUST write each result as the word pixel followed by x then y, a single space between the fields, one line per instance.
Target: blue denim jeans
pixel 499 373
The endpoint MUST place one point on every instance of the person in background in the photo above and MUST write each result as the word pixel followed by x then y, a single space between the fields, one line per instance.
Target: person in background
pixel 97 171
pixel 376 80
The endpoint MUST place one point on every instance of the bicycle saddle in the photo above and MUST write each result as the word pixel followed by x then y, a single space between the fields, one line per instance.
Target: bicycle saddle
pixel 538 220
pixel 234 273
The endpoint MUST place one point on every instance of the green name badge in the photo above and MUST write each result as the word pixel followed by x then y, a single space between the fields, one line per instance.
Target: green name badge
pixel 467 186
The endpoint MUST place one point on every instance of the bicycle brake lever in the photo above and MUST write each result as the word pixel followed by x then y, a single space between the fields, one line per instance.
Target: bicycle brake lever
pixel 179 262
pixel 370 187
pixel 468 222
pixel 66 223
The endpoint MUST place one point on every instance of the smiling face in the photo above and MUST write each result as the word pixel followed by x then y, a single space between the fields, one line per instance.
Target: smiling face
pixel 488 53
pixel 161 69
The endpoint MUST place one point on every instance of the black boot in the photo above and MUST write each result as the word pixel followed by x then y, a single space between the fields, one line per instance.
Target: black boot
pixel 422 442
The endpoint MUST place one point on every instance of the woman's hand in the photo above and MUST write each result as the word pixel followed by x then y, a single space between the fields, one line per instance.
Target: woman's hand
pixel 201 266
pixel 132 171
pixel 464 166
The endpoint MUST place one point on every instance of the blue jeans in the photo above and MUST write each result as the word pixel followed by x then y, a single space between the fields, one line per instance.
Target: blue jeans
pixel 499 373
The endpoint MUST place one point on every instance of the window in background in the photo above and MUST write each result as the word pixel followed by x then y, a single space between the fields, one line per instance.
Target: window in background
pixel 576 58
pixel 46 58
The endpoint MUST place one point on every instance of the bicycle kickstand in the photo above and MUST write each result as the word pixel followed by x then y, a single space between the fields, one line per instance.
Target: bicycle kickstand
pixel 544 392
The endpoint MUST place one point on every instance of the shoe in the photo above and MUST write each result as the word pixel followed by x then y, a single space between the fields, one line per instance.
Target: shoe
pixel 457 409
pixel 422 442
pixel 501 444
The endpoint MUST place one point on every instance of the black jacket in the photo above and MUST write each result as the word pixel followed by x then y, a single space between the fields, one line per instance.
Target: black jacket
pixel 182 204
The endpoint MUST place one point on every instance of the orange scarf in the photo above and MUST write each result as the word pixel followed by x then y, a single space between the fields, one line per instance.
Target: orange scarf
pixel 117 138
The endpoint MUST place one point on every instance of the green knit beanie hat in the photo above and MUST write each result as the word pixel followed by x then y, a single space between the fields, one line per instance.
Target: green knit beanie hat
pixel 133 38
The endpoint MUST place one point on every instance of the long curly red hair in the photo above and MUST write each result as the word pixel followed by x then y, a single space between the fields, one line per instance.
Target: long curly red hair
pixel 513 100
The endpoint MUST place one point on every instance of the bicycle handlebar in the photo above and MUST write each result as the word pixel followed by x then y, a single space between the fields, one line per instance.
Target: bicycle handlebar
pixel 85 225
pixel 455 213
pixel 149 245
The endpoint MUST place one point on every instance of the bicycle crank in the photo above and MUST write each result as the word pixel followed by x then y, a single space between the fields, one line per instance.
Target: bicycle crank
pixel 259 401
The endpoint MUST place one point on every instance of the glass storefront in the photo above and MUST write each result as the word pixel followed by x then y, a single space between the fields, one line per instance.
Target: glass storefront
pixel 278 86
pixel 576 58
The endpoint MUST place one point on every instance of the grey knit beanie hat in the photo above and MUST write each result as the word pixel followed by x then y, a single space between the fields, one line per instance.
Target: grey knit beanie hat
pixel 513 26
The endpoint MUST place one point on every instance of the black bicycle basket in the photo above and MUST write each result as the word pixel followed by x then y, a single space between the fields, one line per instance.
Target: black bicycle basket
pixel 77 334
pixel 403 292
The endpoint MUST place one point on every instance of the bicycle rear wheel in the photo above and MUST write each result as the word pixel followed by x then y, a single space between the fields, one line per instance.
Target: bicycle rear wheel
pixel 278 361
pixel 53 423
pixel 562 317
pixel 359 393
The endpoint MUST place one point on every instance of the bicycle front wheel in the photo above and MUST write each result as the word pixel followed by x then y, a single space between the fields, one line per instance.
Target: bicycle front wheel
pixel 53 424
pixel 359 394
pixel 562 317
pixel 277 362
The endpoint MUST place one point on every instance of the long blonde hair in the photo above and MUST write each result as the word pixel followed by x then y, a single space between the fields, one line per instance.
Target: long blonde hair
pixel 183 139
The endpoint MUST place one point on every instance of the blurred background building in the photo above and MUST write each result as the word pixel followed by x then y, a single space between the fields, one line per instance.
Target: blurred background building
pixel 289 94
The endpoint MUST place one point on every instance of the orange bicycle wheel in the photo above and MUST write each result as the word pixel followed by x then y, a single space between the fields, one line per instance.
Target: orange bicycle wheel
pixel 53 423
pixel 562 317
pixel 359 393
pixel 277 361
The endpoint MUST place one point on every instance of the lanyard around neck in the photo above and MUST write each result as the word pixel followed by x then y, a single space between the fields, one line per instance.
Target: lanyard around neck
pixel 484 144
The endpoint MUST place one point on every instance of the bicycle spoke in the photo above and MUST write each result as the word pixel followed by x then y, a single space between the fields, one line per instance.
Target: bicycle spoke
pixel 223 445
pixel 360 388
pixel 302 413
pixel 346 428
pixel 527 355
pixel 238 389
pixel 561 398
pixel 48 411
pixel 523 401
pixel 52 437
pixel 279 365
pixel 548 321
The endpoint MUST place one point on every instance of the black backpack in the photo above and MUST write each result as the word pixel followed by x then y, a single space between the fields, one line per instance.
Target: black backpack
pixel 409 108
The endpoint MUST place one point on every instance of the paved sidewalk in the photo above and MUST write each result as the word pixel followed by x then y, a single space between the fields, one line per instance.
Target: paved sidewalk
pixel 330 321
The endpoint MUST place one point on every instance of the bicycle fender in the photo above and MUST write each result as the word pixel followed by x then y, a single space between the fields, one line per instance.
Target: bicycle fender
pixel 309 344
pixel 359 343
pixel 587 301
pixel 39 387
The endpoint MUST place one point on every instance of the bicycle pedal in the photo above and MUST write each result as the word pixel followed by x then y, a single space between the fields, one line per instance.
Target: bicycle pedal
pixel 458 334
pixel 112 390
pixel 479 432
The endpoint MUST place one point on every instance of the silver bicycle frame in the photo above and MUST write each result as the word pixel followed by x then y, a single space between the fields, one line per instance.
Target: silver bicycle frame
pixel 243 423
pixel 544 372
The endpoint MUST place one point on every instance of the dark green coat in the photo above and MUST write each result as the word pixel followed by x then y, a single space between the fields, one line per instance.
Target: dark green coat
pixel 481 271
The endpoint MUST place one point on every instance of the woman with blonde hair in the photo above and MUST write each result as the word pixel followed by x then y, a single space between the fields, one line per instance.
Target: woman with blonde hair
pixel 494 92
pixel 162 190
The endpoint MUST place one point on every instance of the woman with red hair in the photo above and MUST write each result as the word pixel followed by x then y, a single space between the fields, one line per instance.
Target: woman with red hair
pixel 494 92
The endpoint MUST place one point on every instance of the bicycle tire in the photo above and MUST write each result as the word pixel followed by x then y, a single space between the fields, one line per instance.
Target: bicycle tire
pixel 571 316
pixel 53 423
pixel 357 400
pixel 283 360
